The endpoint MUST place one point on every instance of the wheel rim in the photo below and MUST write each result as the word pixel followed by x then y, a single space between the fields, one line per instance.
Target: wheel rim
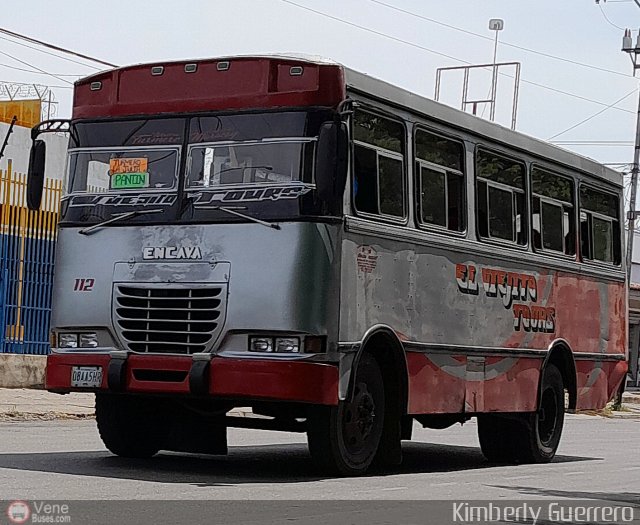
pixel 358 420
pixel 548 417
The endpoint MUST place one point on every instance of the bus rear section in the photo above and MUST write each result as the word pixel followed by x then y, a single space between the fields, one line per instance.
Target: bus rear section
pixel 255 233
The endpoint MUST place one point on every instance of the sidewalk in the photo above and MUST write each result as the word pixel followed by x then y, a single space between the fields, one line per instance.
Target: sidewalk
pixel 18 404
pixel 21 404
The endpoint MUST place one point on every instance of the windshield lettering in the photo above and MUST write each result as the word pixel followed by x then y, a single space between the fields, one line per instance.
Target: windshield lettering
pixel 254 194
pixel 123 200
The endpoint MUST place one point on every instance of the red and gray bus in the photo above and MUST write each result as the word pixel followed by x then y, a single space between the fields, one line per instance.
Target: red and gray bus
pixel 341 255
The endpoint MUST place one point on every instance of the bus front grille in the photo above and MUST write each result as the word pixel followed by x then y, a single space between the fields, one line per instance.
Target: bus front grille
pixel 171 320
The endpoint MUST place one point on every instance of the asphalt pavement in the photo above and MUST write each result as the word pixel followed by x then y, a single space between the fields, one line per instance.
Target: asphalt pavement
pixel 64 459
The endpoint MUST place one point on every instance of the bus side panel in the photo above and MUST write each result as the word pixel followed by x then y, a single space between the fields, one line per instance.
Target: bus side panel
pixel 441 384
pixel 464 304
pixel 436 383
pixel 511 384
pixel 597 382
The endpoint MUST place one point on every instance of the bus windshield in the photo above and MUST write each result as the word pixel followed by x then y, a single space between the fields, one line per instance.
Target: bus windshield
pixel 118 166
pixel 215 165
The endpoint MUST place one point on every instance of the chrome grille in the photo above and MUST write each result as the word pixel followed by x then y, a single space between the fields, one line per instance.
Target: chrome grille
pixel 178 320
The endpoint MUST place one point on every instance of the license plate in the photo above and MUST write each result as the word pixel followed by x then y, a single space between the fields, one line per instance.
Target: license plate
pixel 86 376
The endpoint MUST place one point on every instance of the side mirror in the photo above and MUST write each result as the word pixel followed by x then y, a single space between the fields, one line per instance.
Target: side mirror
pixel 331 161
pixel 35 175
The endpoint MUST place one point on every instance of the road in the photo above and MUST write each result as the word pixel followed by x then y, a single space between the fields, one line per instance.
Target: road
pixel 599 458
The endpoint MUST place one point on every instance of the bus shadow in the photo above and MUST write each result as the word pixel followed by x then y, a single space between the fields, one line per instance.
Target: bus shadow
pixel 289 463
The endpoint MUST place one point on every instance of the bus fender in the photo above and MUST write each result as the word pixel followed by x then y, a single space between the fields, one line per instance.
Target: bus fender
pixel 382 342
pixel 561 356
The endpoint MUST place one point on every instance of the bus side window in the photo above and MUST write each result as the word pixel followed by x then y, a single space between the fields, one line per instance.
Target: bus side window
pixel 600 226
pixel 378 167
pixel 500 187
pixel 440 180
pixel 553 212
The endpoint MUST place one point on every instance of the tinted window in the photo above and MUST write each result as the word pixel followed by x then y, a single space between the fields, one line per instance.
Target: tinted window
pixel 599 226
pixel 390 183
pixel 439 165
pixel 553 212
pixel 501 204
pixel 378 165
pixel 496 168
pixel 501 223
pixel 433 196
pixel 378 131
pixel 439 150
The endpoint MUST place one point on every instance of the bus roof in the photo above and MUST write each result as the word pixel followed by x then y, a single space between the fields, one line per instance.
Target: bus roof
pixel 375 88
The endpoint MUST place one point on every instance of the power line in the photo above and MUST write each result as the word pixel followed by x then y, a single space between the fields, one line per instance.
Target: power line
pixel 423 48
pixel 34 67
pixel 49 53
pixel 607 19
pixel 37 72
pixel 57 48
pixel 503 43
pixel 593 116
pixel 379 33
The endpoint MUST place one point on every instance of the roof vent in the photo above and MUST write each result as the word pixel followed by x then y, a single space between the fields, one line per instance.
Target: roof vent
pixel 157 70
pixel 95 86
pixel 223 66
pixel 190 68
pixel 296 71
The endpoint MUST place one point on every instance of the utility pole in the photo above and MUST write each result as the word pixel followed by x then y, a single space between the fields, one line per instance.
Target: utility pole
pixel 634 53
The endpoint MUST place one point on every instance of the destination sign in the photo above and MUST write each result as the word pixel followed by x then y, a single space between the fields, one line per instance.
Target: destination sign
pixel 121 181
pixel 127 165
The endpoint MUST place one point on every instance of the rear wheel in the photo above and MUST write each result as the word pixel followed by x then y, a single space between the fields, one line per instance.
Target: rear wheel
pixel 344 440
pixel 130 426
pixel 527 438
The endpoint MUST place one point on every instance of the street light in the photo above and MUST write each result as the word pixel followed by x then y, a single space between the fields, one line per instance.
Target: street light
pixel 497 25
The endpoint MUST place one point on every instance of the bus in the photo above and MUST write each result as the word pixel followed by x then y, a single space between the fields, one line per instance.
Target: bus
pixel 339 254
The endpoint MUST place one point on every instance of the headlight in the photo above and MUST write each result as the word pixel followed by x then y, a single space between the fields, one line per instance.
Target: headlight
pixel 67 340
pixel 288 345
pixel 260 344
pixel 89 340
pixel 277 345
pixel 77 340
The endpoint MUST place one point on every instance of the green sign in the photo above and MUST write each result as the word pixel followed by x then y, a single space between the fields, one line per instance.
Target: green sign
pixel 124 181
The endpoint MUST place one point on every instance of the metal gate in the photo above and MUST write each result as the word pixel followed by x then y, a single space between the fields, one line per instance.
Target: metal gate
pixel 27 249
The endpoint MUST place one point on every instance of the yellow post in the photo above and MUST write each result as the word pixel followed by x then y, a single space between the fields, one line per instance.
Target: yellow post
pixel 16 332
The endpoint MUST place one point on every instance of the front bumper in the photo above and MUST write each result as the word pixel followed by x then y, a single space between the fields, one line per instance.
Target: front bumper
pixel 223 377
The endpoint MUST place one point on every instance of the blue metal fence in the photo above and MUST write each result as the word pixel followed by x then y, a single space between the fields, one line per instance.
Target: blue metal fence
pixel 27 250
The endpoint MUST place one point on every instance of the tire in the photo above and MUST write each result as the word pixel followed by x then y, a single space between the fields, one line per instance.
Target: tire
pixel 499 438
pixel 130 426
pixel 529 438
pixel 344 440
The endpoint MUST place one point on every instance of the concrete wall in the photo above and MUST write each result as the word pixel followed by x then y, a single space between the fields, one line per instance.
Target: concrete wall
pixel 22 371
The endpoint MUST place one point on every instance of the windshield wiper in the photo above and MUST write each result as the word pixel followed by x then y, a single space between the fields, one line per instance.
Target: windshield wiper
pixel 233 210
pixel 116 218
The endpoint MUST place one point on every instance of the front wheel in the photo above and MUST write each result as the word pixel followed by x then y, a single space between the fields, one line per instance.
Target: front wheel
pixel 527 438
pixel 344 440
pixel 131 426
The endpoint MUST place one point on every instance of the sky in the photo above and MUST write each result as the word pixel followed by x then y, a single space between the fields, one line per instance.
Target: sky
pixel 400 41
